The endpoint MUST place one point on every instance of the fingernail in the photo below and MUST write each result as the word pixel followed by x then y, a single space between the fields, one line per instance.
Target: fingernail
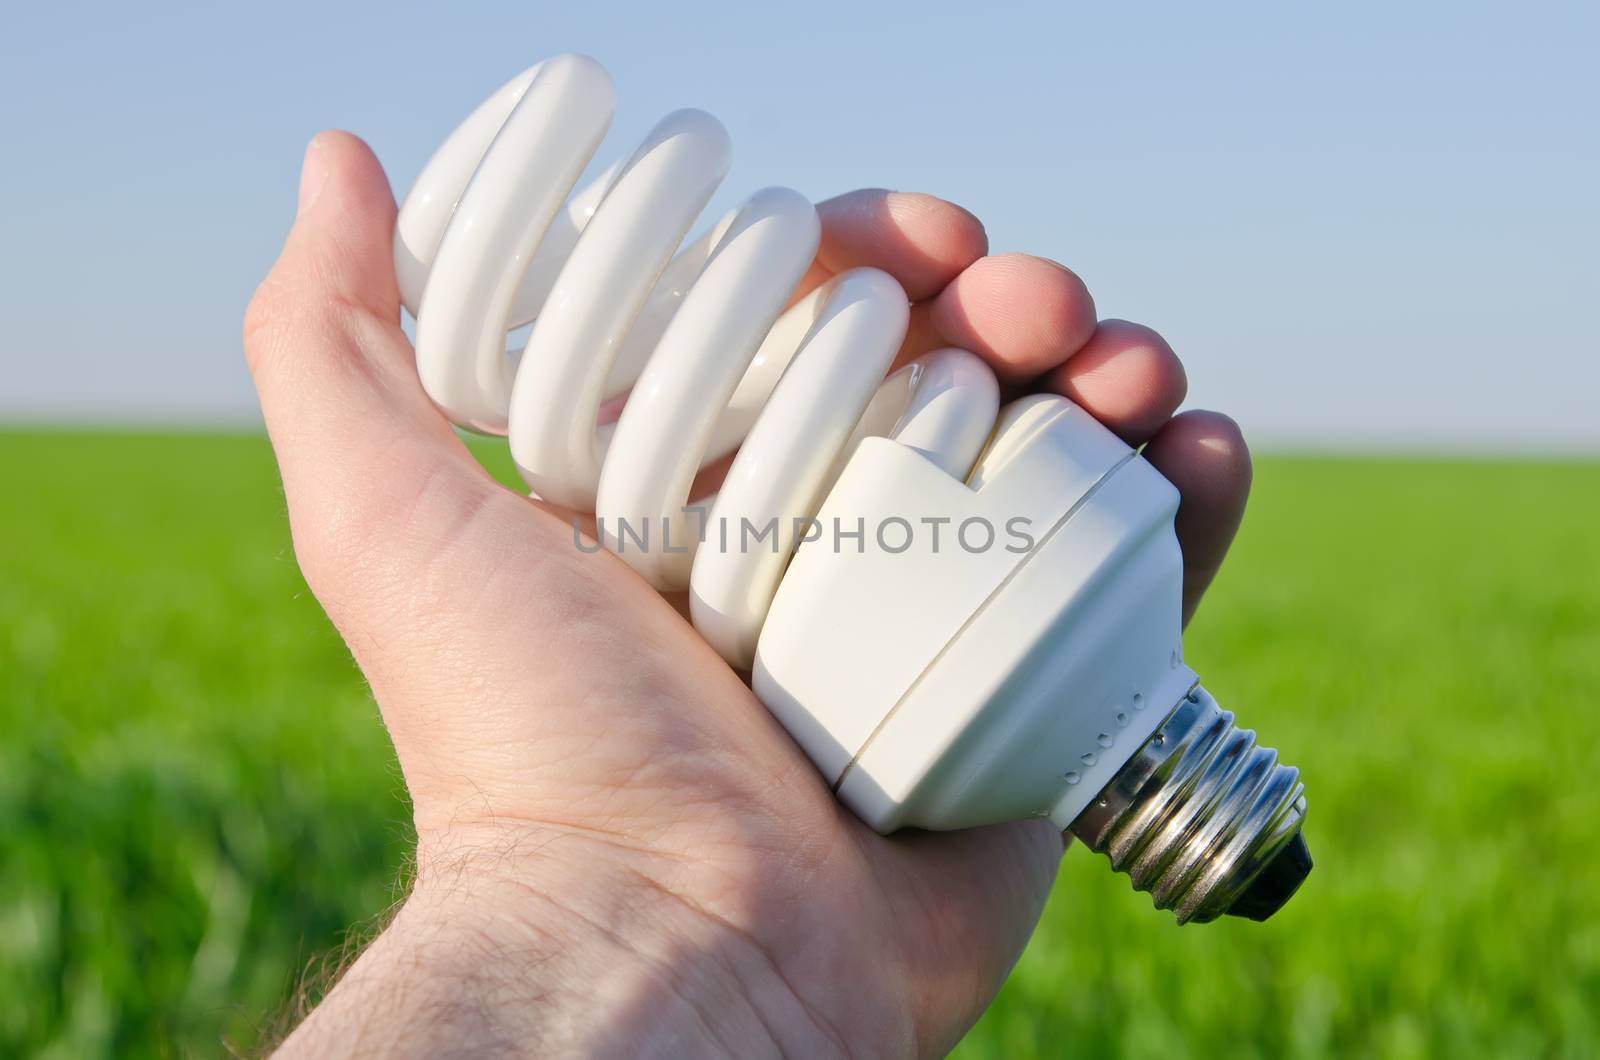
pixel 313 175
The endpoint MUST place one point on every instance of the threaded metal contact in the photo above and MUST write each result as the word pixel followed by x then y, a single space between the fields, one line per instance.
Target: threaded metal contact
pixel 1203 818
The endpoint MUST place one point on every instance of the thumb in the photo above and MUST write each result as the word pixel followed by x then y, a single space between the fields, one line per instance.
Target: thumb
pixel 344 224
pixel 356 437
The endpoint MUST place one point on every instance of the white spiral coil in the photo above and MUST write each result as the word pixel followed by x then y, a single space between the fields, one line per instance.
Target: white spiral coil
pixel 701 344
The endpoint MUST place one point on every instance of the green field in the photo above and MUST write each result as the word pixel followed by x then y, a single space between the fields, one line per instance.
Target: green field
pixel 197 801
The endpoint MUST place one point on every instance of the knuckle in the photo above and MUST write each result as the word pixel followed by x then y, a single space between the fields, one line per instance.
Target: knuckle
pixel 285 312
pixel 259 316
pixel 279 315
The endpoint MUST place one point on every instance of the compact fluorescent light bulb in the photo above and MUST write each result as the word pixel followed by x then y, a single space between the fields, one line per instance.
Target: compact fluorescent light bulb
pixel 963 614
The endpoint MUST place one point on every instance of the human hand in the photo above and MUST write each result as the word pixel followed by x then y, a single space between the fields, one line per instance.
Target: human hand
pixel 618 849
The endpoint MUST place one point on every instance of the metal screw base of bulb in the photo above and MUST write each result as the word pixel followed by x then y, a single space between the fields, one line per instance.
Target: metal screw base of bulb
pixel 1203 819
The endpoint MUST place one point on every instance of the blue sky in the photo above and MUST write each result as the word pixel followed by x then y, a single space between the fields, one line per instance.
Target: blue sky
pixel 1362 226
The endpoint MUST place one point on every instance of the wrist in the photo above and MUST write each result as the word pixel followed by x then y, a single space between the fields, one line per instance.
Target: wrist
pixel 558 943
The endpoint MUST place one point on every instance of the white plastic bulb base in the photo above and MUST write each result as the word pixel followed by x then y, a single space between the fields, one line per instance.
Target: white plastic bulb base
pixel 1025 661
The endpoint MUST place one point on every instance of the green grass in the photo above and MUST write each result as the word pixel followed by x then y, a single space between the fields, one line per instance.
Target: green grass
pixel 197 800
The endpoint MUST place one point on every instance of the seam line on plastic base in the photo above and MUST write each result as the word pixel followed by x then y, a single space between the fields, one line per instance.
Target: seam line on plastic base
pixel 944 649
